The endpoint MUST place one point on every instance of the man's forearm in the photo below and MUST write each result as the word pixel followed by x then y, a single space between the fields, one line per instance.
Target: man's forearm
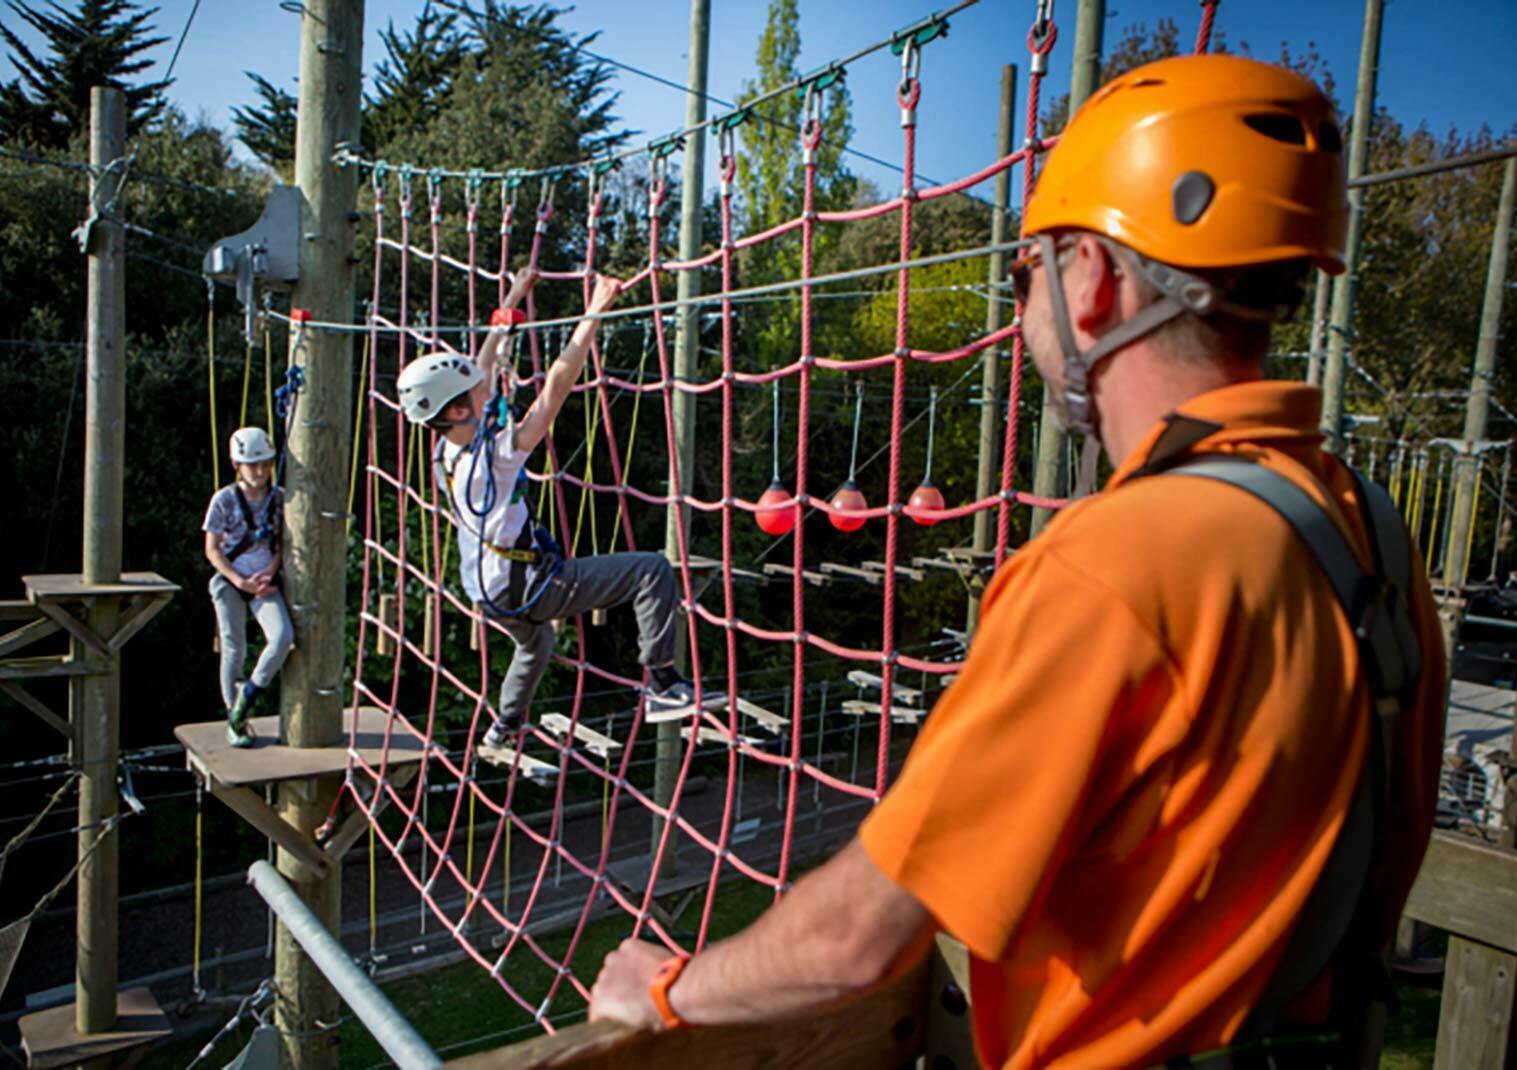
pixel 817 945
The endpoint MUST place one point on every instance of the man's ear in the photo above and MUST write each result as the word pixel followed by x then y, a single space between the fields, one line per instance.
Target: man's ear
pixel 1091 287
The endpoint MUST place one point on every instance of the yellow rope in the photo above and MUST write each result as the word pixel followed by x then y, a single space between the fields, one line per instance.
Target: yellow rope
pixel 1419 481
pixel 1432 538
pixel 373 892
pixel 469 850
pixel 247 380
pixel 199 864
pixel 621 499
pixel 1396 477
pixel 268 380
pixel 210 378
pixel 592 432
pixel 363 386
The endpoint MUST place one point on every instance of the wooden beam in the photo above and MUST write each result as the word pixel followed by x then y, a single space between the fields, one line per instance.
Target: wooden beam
pixel 76 627
pixel 1475 1019
pixel 37 706
pixel 950 1031
pixel 1469 888
pixel 885 1028
pixel 597 743
pixel 43 665
pixel 358 821
pixel 252 809
pixel 27 634
pixel 864 678
pixel 146 611
pixel 17 609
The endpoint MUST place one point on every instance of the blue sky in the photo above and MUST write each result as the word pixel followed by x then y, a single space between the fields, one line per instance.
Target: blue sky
pixel 1445 64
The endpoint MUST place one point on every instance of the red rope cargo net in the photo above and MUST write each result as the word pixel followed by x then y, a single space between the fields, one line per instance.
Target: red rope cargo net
pixel 565 874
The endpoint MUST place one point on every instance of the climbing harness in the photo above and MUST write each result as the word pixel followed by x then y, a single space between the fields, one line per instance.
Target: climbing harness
pixel 1333 930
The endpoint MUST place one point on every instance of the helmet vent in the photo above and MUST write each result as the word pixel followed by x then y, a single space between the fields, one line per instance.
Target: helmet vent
pixel 1285 128
pixel 1329 137
pixel 1147 83
pixel 1191 194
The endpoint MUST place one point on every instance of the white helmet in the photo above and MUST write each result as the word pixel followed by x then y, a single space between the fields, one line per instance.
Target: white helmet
pixel 428 383
pixel 250 445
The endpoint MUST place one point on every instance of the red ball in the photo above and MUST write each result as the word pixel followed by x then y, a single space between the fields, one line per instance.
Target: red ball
pixel 926 497
pixel 849 497
pixel 774 516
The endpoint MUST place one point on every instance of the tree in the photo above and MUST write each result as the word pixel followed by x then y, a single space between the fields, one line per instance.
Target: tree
pixel 97 43
pixel 269 130
pixel 770 173
pixel 412 81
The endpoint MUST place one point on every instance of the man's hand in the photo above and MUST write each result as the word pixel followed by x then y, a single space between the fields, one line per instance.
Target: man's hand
pixel 621 991
pixel 521 285
pixel 247 584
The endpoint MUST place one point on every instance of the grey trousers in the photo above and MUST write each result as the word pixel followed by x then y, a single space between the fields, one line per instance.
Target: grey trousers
pixel 585 583
pixel 232 621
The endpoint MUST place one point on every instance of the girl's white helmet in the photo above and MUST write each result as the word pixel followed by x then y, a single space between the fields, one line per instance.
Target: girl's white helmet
pixel 427 384
pixel 250 445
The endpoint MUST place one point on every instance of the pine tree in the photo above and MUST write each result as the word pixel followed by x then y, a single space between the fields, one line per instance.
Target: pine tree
pixel 412 82
pixel 268 130
pixel 96 43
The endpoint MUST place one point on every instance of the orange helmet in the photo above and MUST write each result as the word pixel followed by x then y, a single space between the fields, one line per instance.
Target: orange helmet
pixel 1205 161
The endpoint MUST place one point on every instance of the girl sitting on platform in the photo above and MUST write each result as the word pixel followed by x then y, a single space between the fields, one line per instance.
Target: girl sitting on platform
pixel 242 529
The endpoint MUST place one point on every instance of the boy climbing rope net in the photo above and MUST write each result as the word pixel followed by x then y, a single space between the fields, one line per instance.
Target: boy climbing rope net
pixel 513 569
pixel 242 528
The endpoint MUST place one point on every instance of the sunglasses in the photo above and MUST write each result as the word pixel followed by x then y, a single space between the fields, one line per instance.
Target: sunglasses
pixel 1019 273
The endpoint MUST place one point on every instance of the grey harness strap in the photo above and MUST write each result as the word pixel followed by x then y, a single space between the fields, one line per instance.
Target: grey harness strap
pixel 1377 606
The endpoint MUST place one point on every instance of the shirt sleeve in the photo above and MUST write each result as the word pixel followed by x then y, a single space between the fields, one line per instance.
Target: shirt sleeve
pixel 215 514
pixel 997 787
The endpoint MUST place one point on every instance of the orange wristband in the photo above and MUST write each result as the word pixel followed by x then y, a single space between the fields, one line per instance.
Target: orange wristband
pixel 663 979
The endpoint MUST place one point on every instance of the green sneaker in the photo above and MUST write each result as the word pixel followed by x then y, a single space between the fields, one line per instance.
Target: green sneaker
pixel 239 731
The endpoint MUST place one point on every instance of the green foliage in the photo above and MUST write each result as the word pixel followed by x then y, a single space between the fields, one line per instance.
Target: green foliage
pixel 96 43
pixel 268 130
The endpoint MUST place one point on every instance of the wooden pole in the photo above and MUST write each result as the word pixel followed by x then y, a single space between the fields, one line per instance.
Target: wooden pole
pixel 331 63
pixel 1049 476
pixel 1344 285
pixel 687 340
pixel 1467 464
pixel 990 360
pixel 95 700
pixel 1319 327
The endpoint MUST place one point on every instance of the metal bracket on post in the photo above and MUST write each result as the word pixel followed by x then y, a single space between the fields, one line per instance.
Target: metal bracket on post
pixel 264 257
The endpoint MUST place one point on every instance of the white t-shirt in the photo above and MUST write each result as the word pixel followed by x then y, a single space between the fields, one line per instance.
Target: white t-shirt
pixel 502 526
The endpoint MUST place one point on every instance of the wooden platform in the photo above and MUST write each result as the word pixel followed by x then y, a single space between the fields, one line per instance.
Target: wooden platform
pixel 268 760
pixel 710 564
pixel 815 579
pixel 50 1039
pixel 597 743
pixel 231 773
pixel 897 690
pixel 714 737
pixel 529 767
pixel 898 714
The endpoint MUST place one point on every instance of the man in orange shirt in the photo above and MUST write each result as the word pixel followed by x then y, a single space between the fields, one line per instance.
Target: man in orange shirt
pixel 1127 802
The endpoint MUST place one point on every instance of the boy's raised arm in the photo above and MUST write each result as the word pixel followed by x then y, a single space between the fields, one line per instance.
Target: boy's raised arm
pixel 566 369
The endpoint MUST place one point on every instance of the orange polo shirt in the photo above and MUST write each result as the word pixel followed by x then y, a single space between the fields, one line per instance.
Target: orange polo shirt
pixel 1124 801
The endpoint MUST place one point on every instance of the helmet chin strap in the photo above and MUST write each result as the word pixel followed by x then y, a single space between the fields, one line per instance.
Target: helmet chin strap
pixel 1080 415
